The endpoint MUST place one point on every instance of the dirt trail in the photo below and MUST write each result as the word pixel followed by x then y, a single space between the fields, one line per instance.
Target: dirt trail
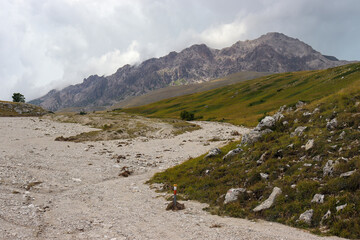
pixel 65 190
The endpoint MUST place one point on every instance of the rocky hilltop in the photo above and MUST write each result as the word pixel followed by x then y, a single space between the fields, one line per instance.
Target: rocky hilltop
pixel 12 109
pixel 273 52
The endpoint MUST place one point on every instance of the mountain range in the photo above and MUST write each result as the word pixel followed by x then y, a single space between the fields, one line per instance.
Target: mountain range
pixel 272 52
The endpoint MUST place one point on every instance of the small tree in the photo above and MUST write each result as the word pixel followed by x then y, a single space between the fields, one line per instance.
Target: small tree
pixel 18 97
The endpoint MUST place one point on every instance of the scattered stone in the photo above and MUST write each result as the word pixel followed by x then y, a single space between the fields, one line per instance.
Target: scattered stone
pixel 317 158
pixel 265 123
pixel 293 186
pixel 305 114
pixel 76 179
pixel 332 124
pixel 329 168
pixel 125 172
pixel 264 175
pixel 298 131
pixel 306 216
pixel 341 207
pixel 178 206
pixel 270 201
pixel 233 194
pixel 316 110
pixel 213 152
pixel 309 145
pixel 31 184
pixel 232 153
pixel 348 174
pixel 285 123
pixel 326 216
pixel 291 145
pixel 262 158
pixel 318 198
pixel 300 104
pixel 278 116
pixel 234 133
pixel 342 135
pixel 307 164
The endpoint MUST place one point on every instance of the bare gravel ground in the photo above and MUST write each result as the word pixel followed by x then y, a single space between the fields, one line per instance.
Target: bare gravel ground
pixel 66 190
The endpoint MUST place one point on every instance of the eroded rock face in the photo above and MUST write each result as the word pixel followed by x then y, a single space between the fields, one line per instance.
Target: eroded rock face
pixel 270 201
pixel 307 216
pixel 233 194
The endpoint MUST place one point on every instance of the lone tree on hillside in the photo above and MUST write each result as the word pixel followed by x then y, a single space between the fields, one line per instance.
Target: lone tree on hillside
pixel 18 97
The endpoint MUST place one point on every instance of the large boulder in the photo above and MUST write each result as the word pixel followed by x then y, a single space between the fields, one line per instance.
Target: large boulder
pixel 232 153
pixel 213 152
pixel 233 194
pixel 306 216
pixel 270 201
pixel 266 123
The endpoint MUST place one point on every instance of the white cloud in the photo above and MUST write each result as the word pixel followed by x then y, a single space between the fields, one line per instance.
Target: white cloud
pixel 223 35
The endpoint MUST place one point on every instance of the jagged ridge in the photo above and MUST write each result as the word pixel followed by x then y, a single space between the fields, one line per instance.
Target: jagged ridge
pixel 273 52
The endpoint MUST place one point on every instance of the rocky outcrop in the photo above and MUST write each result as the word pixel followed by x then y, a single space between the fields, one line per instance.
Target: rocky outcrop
pixel 12 109
pixel 273 52
pixel 270 201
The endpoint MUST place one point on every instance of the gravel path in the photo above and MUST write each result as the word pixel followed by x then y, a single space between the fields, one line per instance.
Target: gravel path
pixel 65 190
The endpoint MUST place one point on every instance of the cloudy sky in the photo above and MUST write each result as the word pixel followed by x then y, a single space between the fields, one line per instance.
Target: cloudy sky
pixel 47 44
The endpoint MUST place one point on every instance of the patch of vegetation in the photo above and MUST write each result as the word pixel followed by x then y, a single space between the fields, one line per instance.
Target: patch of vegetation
pixel 299 172
pixel 114 125
pixel 243 103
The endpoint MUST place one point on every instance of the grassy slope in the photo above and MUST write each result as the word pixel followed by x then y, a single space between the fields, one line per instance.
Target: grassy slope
pixel 285 166
pixel 245 102
pixel 174 91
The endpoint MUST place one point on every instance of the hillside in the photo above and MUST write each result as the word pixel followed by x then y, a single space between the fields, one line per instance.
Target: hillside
pixel 12 109
pixel 175 91
pixel 273 52
pixel 298 167
pixel 246 102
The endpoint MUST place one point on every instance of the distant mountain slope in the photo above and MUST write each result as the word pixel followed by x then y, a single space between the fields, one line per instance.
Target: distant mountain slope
pixel 273 52
pixel 175 91
pixel 245 102
pixel 12 109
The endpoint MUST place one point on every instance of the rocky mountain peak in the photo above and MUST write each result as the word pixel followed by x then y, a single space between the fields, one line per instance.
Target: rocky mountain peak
pixel 272 52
